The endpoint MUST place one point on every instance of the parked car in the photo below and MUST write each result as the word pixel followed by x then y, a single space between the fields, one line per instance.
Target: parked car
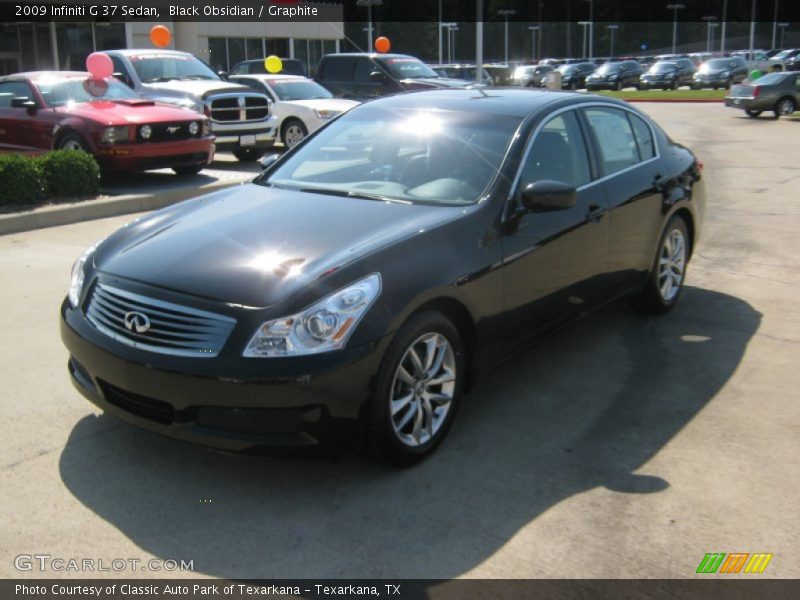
pixel 720 72
pixel 240 117
pixel 301 105
pixel 501 74
pixel 573 75
pixel 65 110
pixel 360 76
pixel 778 92
pixel 668 74
pixel 291 66
pixel 615 76
pixel 759 61
pixel 365 278
pixel 531 75
pixel 464 72
pixel 790 59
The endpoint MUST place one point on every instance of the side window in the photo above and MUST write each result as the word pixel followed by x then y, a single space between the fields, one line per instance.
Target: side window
pixel 558 153
pixel 13 89
pixel 614 138
pixel 338 69
pixel 364 67
pixel 119 67
pixel 644 137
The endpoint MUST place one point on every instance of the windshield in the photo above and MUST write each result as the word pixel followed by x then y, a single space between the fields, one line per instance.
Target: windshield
pixel 770 79
pixel 782 54
pixel 58 92
pixel 716 64
pixel 407 67
pixel 663 67
pixel 152 68
pixel 609 68
pixel 408 155
pixel 292 89
pixel 566 69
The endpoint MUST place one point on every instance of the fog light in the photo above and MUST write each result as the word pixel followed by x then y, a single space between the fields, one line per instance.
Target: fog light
pixel 146 131
pixel 194 128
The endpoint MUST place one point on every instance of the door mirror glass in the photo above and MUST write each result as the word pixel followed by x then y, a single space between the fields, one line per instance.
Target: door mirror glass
pixel 268 160
pixel 24 102
pixel 548 195
pixel 223 75
pixel 377 77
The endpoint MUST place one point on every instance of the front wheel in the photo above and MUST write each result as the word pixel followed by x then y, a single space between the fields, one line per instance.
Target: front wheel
pixel 618 86
pixel 784 107
pixel 669 270
pixel 418 389
pixel 294 132
pixel 752 113
pixel 72 141
pixel 248 154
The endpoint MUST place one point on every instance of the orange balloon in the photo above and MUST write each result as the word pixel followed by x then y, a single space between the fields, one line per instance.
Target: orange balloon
pixel 382 44
pixel 160 36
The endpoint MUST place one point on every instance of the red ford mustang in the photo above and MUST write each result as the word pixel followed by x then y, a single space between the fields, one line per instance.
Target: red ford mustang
pixel 69 110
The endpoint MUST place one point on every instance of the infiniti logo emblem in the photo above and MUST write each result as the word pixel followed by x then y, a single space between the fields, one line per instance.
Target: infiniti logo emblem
pixel 137 322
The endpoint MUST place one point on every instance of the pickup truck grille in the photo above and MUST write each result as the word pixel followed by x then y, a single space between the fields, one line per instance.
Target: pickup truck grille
pixel 239 108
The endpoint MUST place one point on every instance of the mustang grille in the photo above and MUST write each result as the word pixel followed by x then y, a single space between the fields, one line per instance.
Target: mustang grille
pixel 170 328
pixel 239 108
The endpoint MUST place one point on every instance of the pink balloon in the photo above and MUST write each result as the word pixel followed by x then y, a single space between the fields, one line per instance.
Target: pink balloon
pixel 99 65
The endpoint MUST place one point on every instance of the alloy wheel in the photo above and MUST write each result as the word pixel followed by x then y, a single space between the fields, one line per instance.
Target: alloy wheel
pixel 671 265
pixel 423 389
pixel 72 144
pixel 294 135
pixel 785 107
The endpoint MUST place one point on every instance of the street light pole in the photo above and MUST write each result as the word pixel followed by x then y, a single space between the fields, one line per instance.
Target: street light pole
pixel 675 8
pixel 369 4
pixel 440 31
pixel 506 12
pixel 724 25
pixel 775 25
pixel 711 35
pixel 479 41
pixel 612 29
pixel 752 28
pixel 783 27
pixel 709 23
pixel 533 29
pixel 585 25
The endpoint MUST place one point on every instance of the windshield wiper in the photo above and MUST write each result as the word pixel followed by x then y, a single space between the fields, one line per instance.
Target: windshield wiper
pixel 351 194
pixel 160 79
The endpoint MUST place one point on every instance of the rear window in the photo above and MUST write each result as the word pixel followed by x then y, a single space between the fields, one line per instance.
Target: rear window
pixel 338 69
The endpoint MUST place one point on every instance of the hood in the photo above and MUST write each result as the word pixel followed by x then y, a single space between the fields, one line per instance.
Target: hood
pixel 128 111
pixel 438 82
pixel 338 104
pixel 195 88
pixel 257 246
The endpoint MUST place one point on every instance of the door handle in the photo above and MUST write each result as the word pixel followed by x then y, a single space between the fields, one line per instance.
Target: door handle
pixel 596 212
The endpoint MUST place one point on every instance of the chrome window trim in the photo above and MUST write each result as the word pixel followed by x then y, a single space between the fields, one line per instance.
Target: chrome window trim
pixel 540 126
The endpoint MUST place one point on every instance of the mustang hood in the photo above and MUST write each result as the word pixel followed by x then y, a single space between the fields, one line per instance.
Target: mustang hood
pixel 255 245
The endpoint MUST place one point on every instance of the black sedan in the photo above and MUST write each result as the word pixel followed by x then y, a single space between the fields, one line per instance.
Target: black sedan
pixel 668 75
pixel 720 72
pixel 354 291
pixel 573 76
pixel 615 76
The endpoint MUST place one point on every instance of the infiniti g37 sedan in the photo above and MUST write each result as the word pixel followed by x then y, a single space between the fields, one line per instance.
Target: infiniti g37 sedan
pixel 353 291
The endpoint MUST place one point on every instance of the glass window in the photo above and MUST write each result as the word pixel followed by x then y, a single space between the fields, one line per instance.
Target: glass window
pixel 614 137
pixel 255 48
pixel 298 89
pixel 218 54
pixel 74 45
pixel 11 90
pixel 165 67
pixel 278 47
pixel 339 69
pixel 364 67
pixel 109 36
pixel 235 51
pixel 644 137
pixel 406 154
pixel 558 153
pixel 407 67
pixel 58 92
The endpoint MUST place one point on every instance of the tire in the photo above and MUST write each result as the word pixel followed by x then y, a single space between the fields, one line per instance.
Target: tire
pixel 248 154
pixel 573 86
pixel 784 107
pixel 412 433
pixel 188 169
pixel 72 141
pixel 293 132
pixel 752 113
pixel 618 86
pixel 665 283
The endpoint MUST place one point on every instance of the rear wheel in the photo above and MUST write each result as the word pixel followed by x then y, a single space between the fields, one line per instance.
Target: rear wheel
pixel 573 86
pixel 418 389
pixel 752 113
pixel 669 270
pixel 248 154
pixel 784 107
pixel 618 86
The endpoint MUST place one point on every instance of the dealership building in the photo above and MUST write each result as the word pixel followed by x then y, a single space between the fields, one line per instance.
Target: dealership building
pixel 222 44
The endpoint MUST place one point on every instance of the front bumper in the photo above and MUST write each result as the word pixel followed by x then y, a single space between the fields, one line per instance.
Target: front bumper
pixel 601 85
pixel 143 156
pixel 233 136
pixel 711 82
pixel 237 406
pixel 662 84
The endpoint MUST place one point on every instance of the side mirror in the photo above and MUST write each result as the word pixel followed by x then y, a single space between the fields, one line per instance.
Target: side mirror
pixel 547 195
pixel 377 77
pixel 123 78
pixel 267 161
pixel 26 103
pixel 223 75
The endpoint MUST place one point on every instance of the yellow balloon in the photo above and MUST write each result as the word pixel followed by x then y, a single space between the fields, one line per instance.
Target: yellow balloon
pixel 273 64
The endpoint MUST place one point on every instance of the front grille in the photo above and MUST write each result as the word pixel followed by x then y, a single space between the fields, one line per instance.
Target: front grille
pixel 156 325
pixel 170 132
pixel 141 406
pixel 173 160
pixel 245 107
pixel 259 421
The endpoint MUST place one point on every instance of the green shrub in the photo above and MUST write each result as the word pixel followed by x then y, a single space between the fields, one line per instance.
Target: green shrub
pixel 20 180
pixel 69 174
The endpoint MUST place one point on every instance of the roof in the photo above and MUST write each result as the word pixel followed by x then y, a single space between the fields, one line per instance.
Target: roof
pixel 272 76
pixel 36 75
pixel 143 51
pixel 369 54
pixel 513 102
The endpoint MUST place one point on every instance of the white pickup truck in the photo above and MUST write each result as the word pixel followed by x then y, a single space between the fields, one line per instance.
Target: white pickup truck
pixel 759 60
pixel 240 116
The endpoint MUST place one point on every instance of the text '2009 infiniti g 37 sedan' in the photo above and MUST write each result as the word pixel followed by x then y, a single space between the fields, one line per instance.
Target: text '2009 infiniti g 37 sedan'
pixel 353 291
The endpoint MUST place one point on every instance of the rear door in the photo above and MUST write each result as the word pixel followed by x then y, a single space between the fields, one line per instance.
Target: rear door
pixel 336 73
pixel 631 171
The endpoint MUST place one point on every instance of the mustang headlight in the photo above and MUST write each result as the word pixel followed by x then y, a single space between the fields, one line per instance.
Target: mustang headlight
pixel 193 128
pixel 326 114
pixel 115 135
pixel 78 277
pixel 324 326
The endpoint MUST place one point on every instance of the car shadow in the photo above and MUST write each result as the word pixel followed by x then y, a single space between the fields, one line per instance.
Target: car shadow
pixel 585 408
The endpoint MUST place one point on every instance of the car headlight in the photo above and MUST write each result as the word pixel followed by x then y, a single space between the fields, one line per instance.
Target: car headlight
pixel 613 77
pixel 669 75
pixel 115 135
pixel 194 128
pixel 146 132
pixel 324 326
pixel 78 276
pixel 326 114
pixel 725 73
